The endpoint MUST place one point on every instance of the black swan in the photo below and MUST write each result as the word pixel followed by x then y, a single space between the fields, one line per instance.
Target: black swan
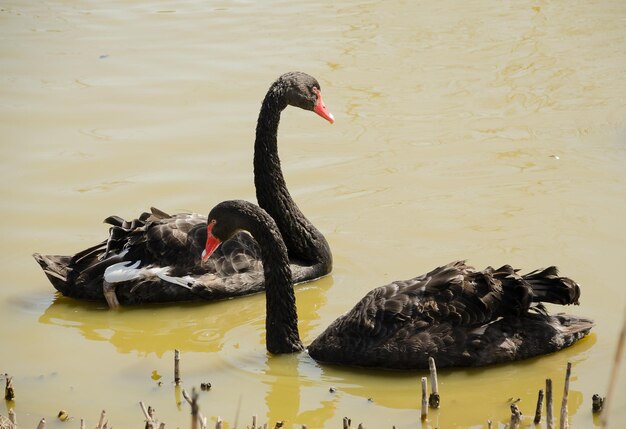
pixel 156 258
pixel 457 315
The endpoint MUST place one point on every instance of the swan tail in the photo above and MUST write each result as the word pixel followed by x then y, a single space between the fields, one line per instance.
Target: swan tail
pixel 55 268
pixel 536 333
pixel 555 332
pixel 65 273
pixel 574 327
pixel 548 286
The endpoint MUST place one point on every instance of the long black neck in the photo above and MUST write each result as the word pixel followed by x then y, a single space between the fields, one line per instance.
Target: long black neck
pixel 281 322
pixel 305 244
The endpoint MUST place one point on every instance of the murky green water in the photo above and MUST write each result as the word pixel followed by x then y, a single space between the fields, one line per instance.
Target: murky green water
pixel 489 131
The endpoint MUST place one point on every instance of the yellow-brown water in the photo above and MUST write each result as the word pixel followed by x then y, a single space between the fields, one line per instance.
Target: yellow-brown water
pixel 490 131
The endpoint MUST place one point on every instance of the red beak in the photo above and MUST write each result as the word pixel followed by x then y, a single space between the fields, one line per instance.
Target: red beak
pixel 212 243
pixel 320 108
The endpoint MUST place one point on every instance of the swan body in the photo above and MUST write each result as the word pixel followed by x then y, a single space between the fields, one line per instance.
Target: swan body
pixel 156 257
pixel 454 313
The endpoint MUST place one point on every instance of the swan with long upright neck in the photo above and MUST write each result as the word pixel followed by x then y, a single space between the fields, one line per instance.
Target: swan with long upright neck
pixel 156 257
pixel 454 313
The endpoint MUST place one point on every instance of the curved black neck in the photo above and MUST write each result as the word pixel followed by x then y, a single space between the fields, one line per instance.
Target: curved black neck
pixel 281 322
pixel 305 244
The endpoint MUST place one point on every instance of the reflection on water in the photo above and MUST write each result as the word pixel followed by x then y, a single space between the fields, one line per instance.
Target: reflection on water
pixel 153 329
pixel 192 327
pixel 474 394
pixel 286 400
pixel 297 389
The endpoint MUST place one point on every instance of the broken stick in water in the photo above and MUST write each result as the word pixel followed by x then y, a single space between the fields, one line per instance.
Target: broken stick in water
pixel 617 361
pixel 433 399
pixel 516 416
pixel 193 401
pixel 424 400
pixel 549 408
pixel 539 407
pixel 102 423
pixel 176 367
pixel 194 408
pixel 9 392
pixel 597 402
pixel 145 411
pixel 564 415
pixel 151 422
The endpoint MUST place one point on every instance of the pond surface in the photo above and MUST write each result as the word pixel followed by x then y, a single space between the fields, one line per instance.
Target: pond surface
pixel 488 131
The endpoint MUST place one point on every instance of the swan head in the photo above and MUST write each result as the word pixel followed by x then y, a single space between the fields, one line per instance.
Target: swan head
pixel 304 91
pixel 230 217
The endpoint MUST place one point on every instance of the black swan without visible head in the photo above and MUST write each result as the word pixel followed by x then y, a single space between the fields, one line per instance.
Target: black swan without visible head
pixel 156 258
pixel 457 315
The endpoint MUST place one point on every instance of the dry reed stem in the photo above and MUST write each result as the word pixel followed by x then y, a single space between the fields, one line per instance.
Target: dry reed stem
pixel 9 392
pixel 604 416
pixel 146 413
pixel 176 367
pixel 102 423
pixel 539 407
pixel 199 418
pixel 424 414
pixel 564 423
pixel 516 416
pixel 433 400
pixel 549 407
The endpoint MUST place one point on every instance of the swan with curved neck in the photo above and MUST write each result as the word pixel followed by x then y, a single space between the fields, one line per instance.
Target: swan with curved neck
pixel 155 258
pixel 304 242
pixel 457 315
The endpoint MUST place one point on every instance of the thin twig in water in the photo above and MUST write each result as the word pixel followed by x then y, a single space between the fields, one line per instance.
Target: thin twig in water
pixel 516 416
pixel 9 392
pixel 564 414
pixel 549 408
pixel 434 399
pixel 200 417
pixel 539 407
pixel 604 417
pixel 145 412
pixel 176 367
pixel 102 423
pixel 424 415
